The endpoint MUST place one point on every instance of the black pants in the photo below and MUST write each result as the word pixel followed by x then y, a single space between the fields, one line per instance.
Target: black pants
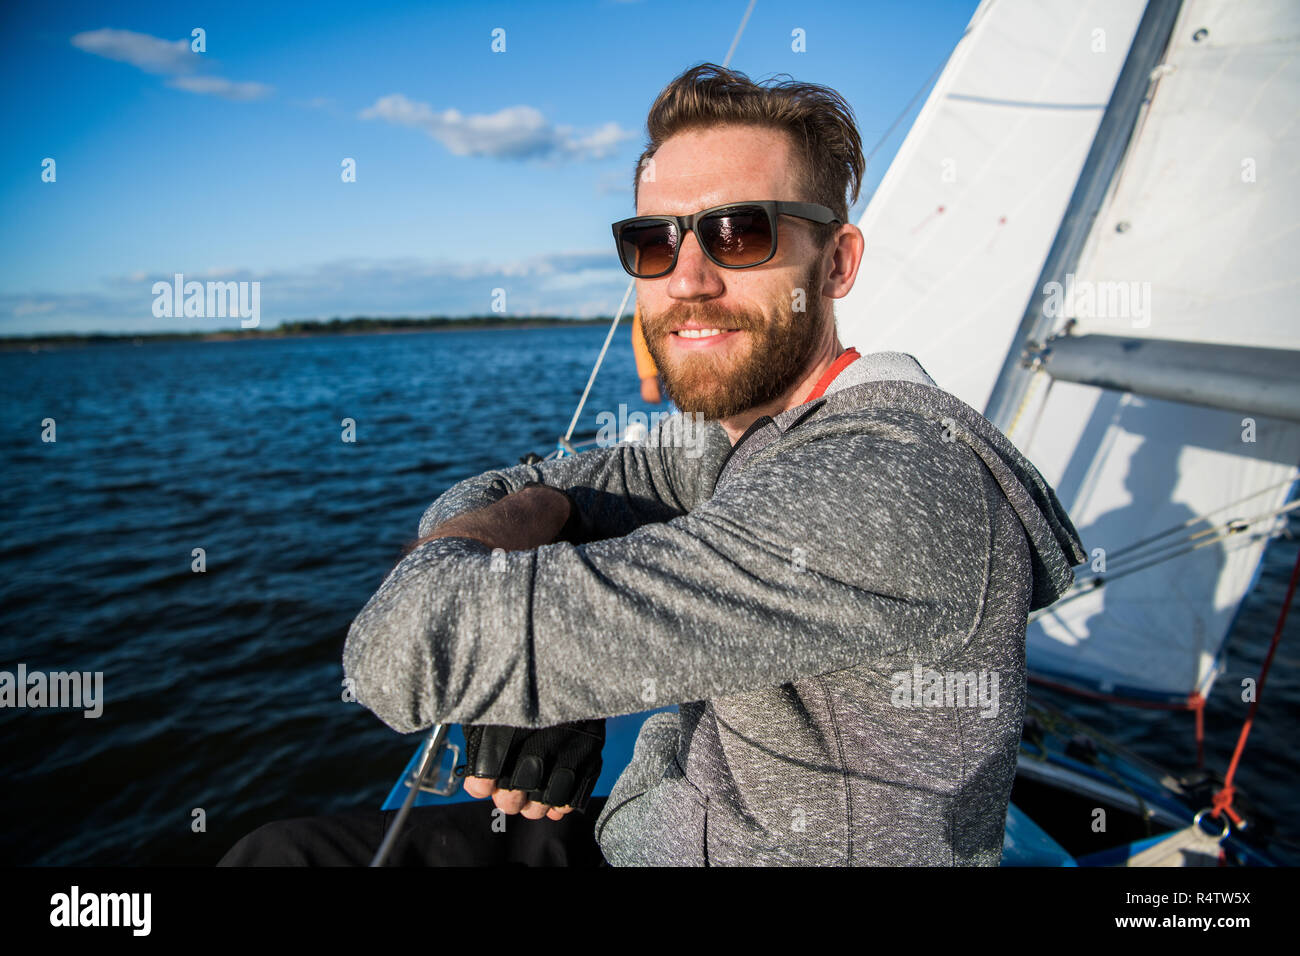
pixel 455 834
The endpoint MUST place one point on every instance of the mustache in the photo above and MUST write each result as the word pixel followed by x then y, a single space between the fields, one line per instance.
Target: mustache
pixel 709 316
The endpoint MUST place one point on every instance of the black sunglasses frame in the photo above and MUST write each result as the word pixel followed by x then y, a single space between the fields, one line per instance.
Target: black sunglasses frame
pixel 684 224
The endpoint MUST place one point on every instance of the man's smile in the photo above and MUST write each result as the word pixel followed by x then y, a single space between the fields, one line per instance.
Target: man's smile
pixel 693 337
pixel 695 334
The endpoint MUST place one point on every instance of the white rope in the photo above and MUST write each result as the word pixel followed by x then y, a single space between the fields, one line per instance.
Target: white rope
pixel 573 423
pixel 599 358
pixel 736 39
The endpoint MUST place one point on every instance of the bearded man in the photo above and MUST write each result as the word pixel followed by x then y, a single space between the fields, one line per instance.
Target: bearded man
pixel 845 522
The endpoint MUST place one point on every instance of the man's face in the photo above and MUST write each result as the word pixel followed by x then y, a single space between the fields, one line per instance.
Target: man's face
pixel 765 345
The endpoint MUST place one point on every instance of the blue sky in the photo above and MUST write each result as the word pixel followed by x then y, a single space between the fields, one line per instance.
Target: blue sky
pixel 475 169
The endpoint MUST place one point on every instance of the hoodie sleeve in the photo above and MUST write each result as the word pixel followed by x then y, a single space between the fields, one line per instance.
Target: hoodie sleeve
pixel 615 489
pixel 849 543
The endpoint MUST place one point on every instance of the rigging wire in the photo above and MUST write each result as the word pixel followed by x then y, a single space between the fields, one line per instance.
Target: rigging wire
pixel 1038 375
pixel 428 760
pixel 577 412
pixel 1042 407
pixel 739 30
pixel 910 103
pixel 1226 530
pixel 1139 545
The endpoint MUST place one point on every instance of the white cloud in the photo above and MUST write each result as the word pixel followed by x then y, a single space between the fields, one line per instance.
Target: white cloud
pixel 220 86
pixel 582 279
pixel 516 132
pixel 599 143
pixel 171 58
pixel 149 53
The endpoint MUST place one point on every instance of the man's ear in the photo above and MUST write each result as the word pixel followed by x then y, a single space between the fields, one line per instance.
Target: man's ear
pixel 846 256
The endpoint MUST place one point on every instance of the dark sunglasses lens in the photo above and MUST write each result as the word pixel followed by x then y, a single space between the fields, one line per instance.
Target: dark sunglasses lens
pixel 738 235
pixel 647 249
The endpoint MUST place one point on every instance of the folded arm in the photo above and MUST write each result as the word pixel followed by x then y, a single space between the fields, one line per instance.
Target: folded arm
pixel 827 555
pixel 615 489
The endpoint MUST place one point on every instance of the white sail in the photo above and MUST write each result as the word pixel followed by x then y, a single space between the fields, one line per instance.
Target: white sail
pixel 1190 245
pixel 1197 233
pixel 1205 208
pixel 958 230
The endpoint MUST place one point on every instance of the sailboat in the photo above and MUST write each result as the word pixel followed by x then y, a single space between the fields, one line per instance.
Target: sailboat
pixel 1085 234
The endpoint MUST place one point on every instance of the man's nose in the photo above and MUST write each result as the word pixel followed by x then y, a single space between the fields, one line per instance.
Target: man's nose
pixel 695 276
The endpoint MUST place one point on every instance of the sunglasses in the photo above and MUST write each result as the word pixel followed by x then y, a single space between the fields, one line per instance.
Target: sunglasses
pixel 735 236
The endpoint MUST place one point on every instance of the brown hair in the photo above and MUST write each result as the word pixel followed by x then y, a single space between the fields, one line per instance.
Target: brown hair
pixel 819 122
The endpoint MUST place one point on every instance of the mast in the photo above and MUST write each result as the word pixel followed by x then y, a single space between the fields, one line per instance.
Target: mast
pixel 1108 148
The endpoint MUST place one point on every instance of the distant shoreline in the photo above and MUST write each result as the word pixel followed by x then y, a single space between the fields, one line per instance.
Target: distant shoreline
pixel 293 330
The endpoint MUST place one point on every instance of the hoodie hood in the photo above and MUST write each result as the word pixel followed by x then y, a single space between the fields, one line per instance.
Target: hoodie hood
pixel 896 380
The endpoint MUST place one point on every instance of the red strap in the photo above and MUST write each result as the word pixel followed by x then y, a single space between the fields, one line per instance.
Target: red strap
pixel 845 359
pixel 1223 799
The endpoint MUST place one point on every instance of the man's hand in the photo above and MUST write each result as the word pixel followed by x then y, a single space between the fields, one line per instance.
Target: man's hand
pixel 529 518
pixel 554 763
pixel 513 801
pixel 543 772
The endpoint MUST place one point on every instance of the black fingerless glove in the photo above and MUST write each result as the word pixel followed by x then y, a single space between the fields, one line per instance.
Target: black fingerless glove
pixel 556 765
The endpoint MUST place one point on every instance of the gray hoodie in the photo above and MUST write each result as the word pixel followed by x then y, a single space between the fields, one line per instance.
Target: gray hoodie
pixel 837 605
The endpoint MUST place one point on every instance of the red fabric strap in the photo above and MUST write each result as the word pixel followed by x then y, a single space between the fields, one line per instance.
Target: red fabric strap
pixel 845 359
